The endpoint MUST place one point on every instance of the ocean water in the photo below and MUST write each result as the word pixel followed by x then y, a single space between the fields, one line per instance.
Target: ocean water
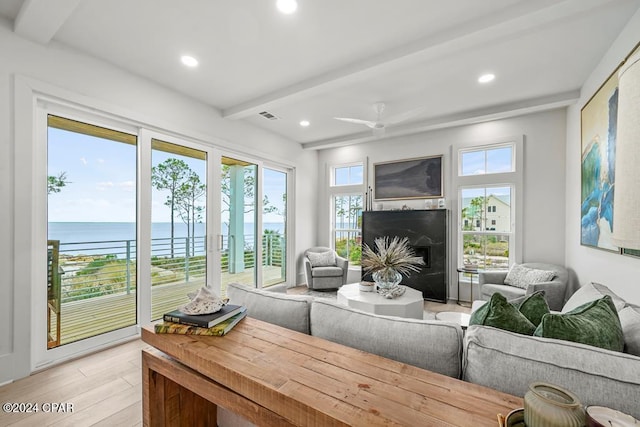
pixel 91 233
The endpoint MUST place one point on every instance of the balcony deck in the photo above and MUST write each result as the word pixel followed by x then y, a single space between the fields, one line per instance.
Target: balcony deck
pixel 89 317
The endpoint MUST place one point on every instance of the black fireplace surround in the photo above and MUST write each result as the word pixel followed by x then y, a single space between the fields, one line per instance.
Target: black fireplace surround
pixel 427 234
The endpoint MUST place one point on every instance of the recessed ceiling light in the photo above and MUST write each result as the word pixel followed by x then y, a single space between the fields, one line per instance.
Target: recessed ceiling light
pixel 486 78
pixel 189 61
pixel 304 123
pixel 287 6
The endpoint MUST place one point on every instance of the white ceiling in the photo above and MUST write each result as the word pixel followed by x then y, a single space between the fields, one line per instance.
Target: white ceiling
pixel 335 58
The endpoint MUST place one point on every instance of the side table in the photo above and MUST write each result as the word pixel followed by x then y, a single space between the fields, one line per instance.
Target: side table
pixel 471 273
pixel 454 316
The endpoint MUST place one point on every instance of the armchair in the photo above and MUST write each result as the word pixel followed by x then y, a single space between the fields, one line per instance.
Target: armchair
pixel 493 281
pixel 324 269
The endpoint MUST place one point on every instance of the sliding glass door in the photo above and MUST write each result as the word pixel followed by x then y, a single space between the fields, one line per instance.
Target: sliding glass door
pixel 238 239
pixel 274 226
pixel 136 221
pixel 178 224
pixel 91 233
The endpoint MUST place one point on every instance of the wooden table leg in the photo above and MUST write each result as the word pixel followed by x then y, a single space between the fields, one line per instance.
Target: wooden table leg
pixel 166 403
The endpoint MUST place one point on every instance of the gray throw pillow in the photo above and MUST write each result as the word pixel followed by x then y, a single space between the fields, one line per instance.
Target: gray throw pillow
pixel 521 276
pixel 630 321
pixel 322 259
pixel 591 292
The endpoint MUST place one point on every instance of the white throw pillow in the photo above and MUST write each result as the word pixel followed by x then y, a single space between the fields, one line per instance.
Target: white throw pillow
pixel 630 321
pixel 322 259
pixel 591 292
pixel 521 276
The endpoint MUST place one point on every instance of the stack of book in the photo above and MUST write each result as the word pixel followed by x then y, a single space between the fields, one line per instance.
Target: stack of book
pixel 214 324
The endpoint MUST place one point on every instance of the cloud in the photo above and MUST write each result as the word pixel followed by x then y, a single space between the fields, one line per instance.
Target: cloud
pixel 128 186
pixel 102 186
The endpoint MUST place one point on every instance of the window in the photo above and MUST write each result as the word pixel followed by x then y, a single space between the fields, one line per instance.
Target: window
pixel 487 243
pixel 496 159
pixel 346 190
pixel 488 181
pixel 348 175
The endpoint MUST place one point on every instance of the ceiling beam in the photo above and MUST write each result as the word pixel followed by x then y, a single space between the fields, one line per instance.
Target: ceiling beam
pixel 511 21
pixel 40 20
pixel 496 112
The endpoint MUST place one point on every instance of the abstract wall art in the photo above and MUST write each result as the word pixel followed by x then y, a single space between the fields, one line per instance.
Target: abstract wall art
pixel 598 121
pixel 598 128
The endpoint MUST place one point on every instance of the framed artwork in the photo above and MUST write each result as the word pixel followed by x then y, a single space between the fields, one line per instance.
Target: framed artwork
pixel 598 122
pixel 408 179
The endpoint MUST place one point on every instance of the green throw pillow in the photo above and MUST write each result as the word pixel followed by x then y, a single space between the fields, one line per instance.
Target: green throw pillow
pixel 595 323
pixel 499 313
pixel 533 306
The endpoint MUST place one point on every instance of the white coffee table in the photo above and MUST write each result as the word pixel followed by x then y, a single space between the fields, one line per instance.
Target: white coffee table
pixel 461 319
pixel 410 304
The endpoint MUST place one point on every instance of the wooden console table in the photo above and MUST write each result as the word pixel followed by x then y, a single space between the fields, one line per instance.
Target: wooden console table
pixel 274 376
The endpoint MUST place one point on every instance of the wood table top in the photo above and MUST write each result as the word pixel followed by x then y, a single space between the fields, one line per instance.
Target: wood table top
pixel 312 381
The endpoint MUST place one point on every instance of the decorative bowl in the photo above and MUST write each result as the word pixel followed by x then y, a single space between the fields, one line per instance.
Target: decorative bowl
pixel 599 416
pixel 367 287
pixel 515 418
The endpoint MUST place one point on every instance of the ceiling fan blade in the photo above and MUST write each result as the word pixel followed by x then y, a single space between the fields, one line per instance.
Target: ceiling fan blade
pixel 379 131
pixel 357 121
pixel 407 115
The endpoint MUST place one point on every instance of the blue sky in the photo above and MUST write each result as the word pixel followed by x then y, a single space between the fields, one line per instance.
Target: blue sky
pixel 101 177
pixel 497 160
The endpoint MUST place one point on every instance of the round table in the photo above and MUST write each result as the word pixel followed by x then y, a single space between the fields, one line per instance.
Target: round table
pixel 410 304
pixel 461 319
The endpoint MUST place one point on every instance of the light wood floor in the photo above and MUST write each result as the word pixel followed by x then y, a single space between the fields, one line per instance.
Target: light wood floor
pixel 104 388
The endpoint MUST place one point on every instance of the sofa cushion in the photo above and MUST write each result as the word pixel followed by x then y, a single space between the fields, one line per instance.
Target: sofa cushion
pixel 594 323
pixel 630 321
pixel 499 313
pixel 288 311
pixel 592 292
pixel 428 344
pixel 327 272
pixel 509 362
pixel 322 259
pixel 521 276
pixel 532 306
pixel 509 292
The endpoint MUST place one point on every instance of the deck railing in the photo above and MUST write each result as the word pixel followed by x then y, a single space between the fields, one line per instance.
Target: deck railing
pixel 92 269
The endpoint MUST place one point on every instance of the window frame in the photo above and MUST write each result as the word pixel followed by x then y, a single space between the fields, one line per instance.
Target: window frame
pixel 344 190
pixel 513 179
pixel 485 149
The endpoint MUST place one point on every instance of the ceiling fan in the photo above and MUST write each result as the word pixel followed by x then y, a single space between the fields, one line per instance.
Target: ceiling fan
pixel 378 125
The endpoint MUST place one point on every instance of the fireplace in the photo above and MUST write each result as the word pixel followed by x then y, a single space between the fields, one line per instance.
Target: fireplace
pixel 426 231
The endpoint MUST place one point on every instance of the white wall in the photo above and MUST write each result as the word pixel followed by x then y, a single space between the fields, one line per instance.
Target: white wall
pixel 544 163
pixel 620 273
pixel 91 79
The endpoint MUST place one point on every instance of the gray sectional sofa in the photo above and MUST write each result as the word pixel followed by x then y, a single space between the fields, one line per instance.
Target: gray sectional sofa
pixel 484 355
pixel 428 344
